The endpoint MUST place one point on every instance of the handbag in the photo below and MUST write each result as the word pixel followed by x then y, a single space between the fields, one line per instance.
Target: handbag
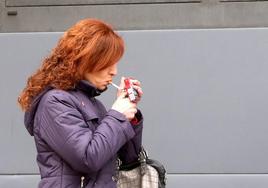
pixel 145 173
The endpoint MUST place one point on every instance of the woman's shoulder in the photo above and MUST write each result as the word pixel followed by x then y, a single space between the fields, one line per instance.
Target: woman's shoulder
pixel 55 96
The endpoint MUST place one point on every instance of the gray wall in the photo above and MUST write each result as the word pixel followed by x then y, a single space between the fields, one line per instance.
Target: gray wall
pixel 205 104
pixel 50 15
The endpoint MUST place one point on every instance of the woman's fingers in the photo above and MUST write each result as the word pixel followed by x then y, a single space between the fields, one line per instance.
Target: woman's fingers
pixel 138 89
pixel 122 94
pixel 122 82
pixel 121 91
pixel 135 84
pixel 125 106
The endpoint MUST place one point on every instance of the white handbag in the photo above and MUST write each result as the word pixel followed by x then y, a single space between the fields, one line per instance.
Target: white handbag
pixel 145 173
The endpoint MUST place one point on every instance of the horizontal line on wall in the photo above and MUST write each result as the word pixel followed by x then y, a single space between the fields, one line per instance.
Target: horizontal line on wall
pixel 241 1
pixel 33 174
pixel 217 173
pixel 19 174
pixel 88 4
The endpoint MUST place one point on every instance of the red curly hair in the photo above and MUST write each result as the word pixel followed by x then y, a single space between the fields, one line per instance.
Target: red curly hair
pixel 90 45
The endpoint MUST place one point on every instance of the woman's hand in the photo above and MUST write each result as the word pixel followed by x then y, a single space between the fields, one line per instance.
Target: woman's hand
pixel 125 106
pixel 136 85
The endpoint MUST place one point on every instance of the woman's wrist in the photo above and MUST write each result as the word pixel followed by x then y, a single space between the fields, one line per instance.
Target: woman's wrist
pixel 137 119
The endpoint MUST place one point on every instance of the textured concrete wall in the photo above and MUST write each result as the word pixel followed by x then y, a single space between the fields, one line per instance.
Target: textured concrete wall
pixel 45 15
pixel 205 104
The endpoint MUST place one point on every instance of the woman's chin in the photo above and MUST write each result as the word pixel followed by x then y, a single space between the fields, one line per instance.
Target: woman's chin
pixel 102 88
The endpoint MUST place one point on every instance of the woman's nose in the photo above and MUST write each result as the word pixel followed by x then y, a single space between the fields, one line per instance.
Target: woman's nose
pixel 113 71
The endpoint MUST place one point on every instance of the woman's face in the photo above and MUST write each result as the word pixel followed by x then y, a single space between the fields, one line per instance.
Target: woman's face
pixel 101 79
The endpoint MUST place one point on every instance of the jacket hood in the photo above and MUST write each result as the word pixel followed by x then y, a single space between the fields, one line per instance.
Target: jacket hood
pixel 83 85
pixel 30 113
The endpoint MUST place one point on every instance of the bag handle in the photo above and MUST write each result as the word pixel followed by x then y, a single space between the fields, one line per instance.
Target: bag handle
pixel 142 159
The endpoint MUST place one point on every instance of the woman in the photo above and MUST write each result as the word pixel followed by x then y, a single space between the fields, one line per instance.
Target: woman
pixel 75 137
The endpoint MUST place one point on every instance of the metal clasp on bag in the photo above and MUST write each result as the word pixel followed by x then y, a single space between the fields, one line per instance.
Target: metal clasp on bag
pixel 142 159
pixel 82 181
pixel 118 164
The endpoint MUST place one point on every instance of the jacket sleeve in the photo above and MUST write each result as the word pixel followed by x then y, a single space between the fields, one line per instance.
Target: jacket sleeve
pixel 66 132
pixel 130 151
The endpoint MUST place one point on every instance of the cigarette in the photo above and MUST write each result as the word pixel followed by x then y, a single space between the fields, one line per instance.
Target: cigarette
pixel 113 84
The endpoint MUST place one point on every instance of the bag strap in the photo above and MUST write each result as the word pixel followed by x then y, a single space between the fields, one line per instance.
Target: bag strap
pixel 142 159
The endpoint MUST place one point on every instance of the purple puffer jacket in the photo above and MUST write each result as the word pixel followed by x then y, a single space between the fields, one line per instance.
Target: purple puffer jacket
pixel 75 136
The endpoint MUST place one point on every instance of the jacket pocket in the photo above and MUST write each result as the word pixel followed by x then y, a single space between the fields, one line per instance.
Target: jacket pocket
pixel 91 120
pixel 92 123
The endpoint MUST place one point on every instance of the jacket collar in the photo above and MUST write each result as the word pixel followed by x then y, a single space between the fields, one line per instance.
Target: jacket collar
pixel 88 88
